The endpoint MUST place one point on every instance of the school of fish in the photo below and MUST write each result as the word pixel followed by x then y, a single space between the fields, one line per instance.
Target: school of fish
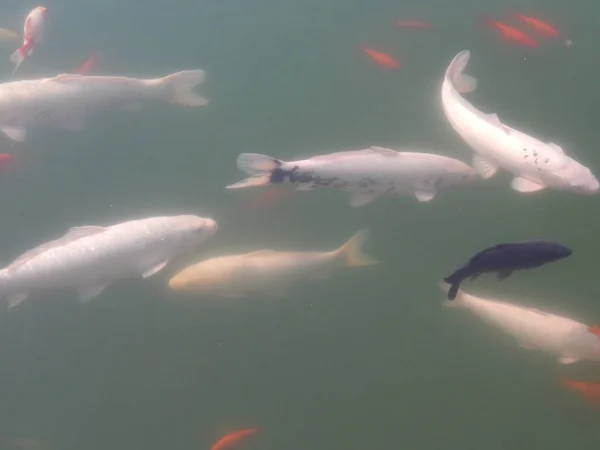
pixel 90 259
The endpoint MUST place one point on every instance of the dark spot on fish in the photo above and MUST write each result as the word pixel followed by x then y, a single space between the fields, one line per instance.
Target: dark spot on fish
pixel 547 159
pixel 526 156
pixel 524 149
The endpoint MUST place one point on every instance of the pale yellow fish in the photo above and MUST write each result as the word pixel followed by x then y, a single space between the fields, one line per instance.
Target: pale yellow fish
pixel 267 271
pixel 8 38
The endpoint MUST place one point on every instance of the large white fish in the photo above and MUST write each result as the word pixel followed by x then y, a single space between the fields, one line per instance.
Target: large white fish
pixel 267 271
pixel 367 174
pixel 67 99
pixel 90 258
pixel 534 164
pixel 569 340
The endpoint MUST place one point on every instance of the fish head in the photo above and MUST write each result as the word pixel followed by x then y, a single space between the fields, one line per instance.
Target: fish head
pixel 190 231
pixel 575 177
pixel 458 173
pixel 557 251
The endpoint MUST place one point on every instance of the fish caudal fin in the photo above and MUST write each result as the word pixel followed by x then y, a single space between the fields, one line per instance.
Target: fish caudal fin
pixel 352 251
pixel 453 292
pixel 462 83
pixel 179 87
pixel 17 57
pixel 260 167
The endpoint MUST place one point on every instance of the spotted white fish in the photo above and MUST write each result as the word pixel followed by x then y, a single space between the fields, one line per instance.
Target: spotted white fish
pixel 534 164
pixel 568 340
pixel 367 174
pixel 67 99
pixel 90 258
pixel 267 272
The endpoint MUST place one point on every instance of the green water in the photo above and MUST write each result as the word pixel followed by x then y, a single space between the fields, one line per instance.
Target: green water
pixel 366 360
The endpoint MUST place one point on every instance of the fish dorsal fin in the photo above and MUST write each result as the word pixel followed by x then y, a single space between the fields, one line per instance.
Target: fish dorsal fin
pixel 388 152
pixel 364 152
pixel 64 77
pixel 72 235
pixel 495 120
pixel 537 311
pixel 258 253
pixel 556 148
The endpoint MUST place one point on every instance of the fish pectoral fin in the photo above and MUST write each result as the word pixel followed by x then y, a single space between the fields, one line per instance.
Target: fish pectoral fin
pixel 306 187
pixel 484 168
pixel 567 360
pixel 155 268
pixel 362 198
pixel 88 293
pixel 75 122
pixel 526 186
pixel 425 195
pixel 504 274
pixel 86 230
pixel 556 147
pixel 14 299
pixel 15 133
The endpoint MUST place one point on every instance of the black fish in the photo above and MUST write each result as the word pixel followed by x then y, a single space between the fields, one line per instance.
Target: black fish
pixel 506 258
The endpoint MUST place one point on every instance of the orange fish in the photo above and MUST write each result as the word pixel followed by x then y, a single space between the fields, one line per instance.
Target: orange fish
pixel 509 33
pixel 88 65
pixel 589 390
pixel 232 438
pixel 382 59
pixel 594 329
pixel 545 29
pixel 414 24
pixel 270 197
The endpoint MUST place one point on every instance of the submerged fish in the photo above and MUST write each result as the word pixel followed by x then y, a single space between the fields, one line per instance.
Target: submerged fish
pixel 367 174
pixel 533 329
pixel 506 258
pixel 535 165
pixel 33 29
pixel 382 59
pixel 509 33
pixel 231 439
pixel 66 99
pixel 544 28
pixel 589 390
pixel 90 258
pixel 267 271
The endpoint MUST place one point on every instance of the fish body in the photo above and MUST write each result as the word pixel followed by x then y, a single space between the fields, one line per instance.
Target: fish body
pixel 512 34
pixel 228 441
pixel 267 271
pixel 383 59
pixel 589 390
pixel 535 165
pixel 366 174
pixel 545 29
pixel 33 30
pixel 90 258
pixel 506 258
pixel 66 99
pixel 567 339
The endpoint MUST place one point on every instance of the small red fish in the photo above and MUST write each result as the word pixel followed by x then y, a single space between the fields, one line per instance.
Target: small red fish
pixel 594 329
pixel 232 438
pixel 88 65
pixel 382 59
pixel 32 30
pixel 545 29
pixel 414 24
pixel 589 390
pixel 270 197
pixel 509 33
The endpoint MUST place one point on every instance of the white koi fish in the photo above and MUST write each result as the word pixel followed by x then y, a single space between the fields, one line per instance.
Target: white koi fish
pixel 534 164
pixel 569 340
pixel 66 99
pixel 267 271
pixel 90 258
pixel 366 174
pixel 32 33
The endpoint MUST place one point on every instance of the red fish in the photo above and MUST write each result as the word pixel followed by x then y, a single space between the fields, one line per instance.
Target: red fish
pixel 32 30
pixel 88 65
pixel 589 390
pixel 509 33
pixel 4 159
pixel 414 24
pixel 232 438
pixel 383 59
pixel 594 329
pixel 545 29
pixel 269 197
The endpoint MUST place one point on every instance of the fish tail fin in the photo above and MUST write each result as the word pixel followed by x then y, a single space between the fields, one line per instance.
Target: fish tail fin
pixel 259 167
pixel 462 83
pixel 18 56
pixel 179 87
pixel 352 253
pixel 451 288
